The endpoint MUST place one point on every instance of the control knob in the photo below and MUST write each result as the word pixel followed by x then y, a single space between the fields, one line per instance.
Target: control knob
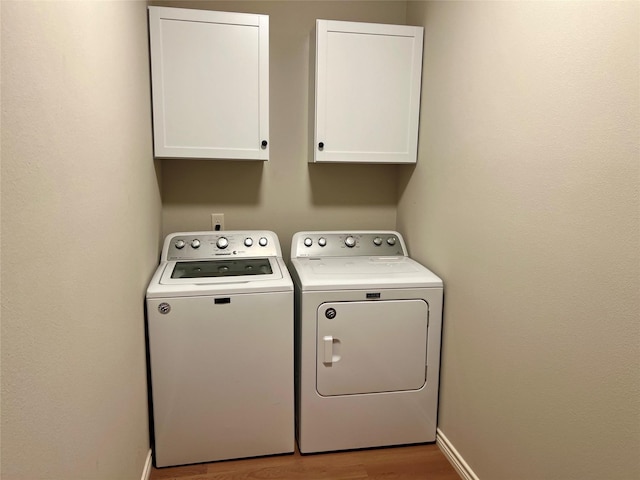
pixel 377 241
pixel 308 242
pixel 322 241
pixel 248 242
pixel 195 243
pixel 263 241
pixel 391 240
pixel 350 241
pixel 180 244
pixel 222 243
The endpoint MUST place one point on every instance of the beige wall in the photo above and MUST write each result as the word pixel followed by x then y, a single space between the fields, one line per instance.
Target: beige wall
pixel 80 230
pixel 525 200
pixel 285 194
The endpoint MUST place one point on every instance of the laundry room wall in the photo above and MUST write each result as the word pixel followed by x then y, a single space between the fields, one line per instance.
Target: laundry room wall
pixel 80 238
pixel 525 199
pixel 285 194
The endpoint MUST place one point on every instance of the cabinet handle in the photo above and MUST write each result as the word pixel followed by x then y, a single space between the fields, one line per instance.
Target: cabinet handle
pixel 321 145
pixel 264 144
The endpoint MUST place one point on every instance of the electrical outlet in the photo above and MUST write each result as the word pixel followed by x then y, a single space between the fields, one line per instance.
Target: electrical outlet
pixel 217 221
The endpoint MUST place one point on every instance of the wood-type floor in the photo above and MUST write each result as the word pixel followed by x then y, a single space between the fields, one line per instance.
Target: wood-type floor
pixel 424 462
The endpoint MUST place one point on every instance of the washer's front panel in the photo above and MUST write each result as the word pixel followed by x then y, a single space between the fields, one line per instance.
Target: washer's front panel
pixel 222 376
pixel 371 346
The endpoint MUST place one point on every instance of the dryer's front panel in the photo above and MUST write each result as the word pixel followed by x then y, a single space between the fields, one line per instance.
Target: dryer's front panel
pixel 371 346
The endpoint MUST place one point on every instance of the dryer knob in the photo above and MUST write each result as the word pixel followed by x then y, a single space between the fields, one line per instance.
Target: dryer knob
pixel 308 242
pixel 180 244
pixel 222 243
pixel 263 241
pixel 391 240
pixel 248 242
pixel 377 241
pixel 322 241
pixel 350 241
pixel 195 243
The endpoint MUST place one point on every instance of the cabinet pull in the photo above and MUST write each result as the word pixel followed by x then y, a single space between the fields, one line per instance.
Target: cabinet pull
pixel 321 145
pixel 264 144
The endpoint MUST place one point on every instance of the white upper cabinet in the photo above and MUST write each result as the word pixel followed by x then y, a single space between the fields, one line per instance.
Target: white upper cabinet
pixel 367 92
pixel 210 84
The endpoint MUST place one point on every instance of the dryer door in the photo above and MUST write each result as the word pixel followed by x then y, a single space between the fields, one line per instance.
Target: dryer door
pixel 371 347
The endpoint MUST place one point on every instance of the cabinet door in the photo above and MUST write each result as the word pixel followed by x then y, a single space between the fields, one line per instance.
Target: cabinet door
pixel 368 79
pixel 210 79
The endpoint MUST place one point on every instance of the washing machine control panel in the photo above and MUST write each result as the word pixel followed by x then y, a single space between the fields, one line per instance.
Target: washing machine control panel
pixel 347 244
pixel 207 245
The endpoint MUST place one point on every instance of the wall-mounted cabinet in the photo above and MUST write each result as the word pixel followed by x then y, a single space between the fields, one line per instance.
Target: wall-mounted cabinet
pixel 367 92
pixel 210 84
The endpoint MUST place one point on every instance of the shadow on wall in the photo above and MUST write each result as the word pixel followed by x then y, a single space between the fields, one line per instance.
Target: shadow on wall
pixel 202 182
pixel 239 183
pixel 405 172
pixel 334 184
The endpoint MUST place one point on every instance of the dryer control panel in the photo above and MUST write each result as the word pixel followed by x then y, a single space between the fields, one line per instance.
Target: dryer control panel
pixel 226 243
pixel 348 244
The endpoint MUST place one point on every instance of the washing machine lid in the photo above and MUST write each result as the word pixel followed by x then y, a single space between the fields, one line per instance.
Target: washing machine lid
pixel 331 273
pixel 220 270
pixel 222 276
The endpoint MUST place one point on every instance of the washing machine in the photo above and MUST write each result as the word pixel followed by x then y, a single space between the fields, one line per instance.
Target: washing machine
pixel 368 332
pixel 220 343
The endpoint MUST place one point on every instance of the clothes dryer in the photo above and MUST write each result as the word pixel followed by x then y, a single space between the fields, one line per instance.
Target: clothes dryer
pixel 368 330
pixel 220 326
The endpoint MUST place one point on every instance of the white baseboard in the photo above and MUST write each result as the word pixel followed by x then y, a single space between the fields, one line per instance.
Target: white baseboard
pixel 463 469
pixel 146 473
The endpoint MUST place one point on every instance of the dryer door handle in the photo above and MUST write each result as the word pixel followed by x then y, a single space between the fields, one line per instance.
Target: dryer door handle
pixel 328 349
